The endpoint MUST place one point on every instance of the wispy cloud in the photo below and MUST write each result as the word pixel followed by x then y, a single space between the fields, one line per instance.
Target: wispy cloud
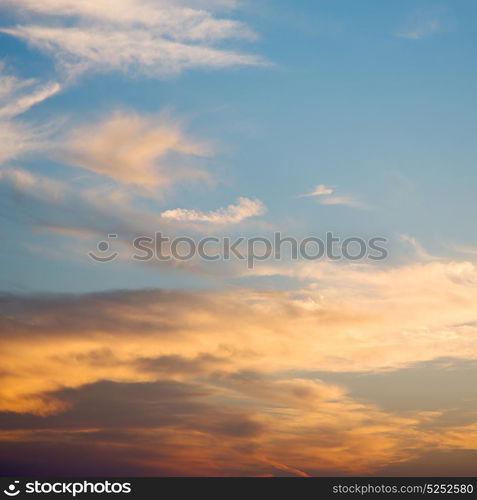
pixel 130 35
pixel 135 150
pixel 38 187
pixel 327 197
pixel 419 251
pixel 14 104
pixel 17 96
pixel 186 20
pixel 347 201
pixel 423 24
pixel 319 190
pixel 243 209
pixel 18 138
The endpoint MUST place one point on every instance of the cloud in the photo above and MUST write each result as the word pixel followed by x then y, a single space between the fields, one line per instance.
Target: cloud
pixel 167 18
pixel 74 208
pixel 35 186
pixel 79 208
pixel 84 209
pixel 25 102
pixel 233 214
pixel 17 96
pixel 345 318
pixel 254 429
pixel 17 139
pixel 319 190
pixel 347 201
pixel 423 24
pixel 420 252
pixel 236 369
pixel 131 35
pixel 327 197
pixel 135 150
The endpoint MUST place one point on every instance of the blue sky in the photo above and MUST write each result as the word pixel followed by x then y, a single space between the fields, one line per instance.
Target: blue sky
pixel 373 98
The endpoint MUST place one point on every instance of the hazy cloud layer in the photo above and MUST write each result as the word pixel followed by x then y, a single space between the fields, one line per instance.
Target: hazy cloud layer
pixel 424 23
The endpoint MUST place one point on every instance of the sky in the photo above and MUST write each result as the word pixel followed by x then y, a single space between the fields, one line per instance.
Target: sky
pixel 123 119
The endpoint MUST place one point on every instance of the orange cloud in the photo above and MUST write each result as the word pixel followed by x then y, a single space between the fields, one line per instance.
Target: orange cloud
pixel 206 375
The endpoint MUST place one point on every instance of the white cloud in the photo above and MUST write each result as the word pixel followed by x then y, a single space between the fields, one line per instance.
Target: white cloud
pixel 319 190
pixel 18 95
pixel 166 17
pixel 24 102
pixel 244 209
pixel 157 38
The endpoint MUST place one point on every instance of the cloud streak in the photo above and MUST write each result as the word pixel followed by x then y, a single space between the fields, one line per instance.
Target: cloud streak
pixel 327 197
pixel 158 39
pixel 319 190
pixel 346 201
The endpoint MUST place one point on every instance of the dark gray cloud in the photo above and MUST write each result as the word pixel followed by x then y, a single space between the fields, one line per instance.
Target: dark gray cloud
pixel 55 314
pixel 111 405
pixel 179 364
pixel 455 463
